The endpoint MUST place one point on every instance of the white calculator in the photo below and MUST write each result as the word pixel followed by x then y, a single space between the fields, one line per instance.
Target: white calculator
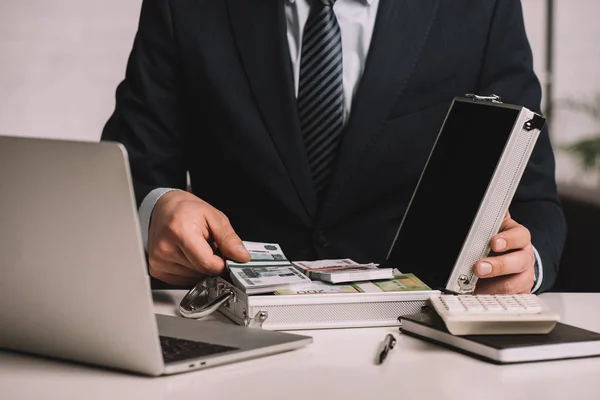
pixel 494 314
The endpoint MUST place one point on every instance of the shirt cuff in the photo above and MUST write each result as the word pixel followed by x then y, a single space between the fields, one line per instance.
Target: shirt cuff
pixel 539 271
pixel 145 211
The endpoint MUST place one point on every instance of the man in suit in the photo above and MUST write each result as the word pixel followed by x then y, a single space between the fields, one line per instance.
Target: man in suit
pixel 307 123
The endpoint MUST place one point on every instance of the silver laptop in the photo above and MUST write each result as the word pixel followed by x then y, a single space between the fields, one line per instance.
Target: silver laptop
pixel 73 277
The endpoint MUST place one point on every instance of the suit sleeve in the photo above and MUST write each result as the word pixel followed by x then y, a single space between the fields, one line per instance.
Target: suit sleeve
pixel 148 118
pixel 508 71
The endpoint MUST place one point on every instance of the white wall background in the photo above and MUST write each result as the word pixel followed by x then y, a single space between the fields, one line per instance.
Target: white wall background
pixel 61 60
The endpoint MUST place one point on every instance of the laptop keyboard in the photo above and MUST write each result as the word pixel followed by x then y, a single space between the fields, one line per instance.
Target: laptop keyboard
pixel 175 349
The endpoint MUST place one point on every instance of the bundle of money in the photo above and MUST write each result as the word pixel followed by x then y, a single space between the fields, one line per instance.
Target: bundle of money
pixel 400 283
pixel 343 270
pixel 270 271
pixel 318 288
pixel 267 271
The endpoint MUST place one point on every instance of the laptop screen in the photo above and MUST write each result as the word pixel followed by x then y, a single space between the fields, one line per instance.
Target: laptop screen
pixel 451 189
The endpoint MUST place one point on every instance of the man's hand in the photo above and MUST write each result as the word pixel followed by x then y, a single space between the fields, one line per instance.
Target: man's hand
pixel 510 267
pixel 184 234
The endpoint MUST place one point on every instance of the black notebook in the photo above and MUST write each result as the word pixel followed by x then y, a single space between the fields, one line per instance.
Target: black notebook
pixel 564 341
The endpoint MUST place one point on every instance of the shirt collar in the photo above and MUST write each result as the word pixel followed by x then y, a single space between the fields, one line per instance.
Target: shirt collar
pixel 368 2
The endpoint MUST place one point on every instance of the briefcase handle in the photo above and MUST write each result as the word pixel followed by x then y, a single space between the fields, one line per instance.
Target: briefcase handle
pixel 195 304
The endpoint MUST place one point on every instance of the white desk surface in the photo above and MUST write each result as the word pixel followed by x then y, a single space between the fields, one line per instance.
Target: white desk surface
pixel 338 365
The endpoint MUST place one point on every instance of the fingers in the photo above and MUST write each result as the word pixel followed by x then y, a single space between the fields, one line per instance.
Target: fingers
pixel 228 242
pixel 181 236
pixel 201 255
pixel 512 236
pixel 184 245
pixel 511 270
pixel 521 283
pixel 508 263
pixel 169 265
pixel 167 252
pixel 186 257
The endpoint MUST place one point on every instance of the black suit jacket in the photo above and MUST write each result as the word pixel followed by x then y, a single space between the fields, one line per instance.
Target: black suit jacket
pixel 209 90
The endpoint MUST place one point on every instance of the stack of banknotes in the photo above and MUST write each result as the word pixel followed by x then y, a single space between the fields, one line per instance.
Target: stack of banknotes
pixel 270 272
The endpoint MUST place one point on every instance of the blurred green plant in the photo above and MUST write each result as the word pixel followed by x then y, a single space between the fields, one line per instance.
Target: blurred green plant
pixel 586 150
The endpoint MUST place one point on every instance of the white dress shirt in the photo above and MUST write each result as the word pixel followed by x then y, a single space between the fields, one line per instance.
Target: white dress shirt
pixel 356 19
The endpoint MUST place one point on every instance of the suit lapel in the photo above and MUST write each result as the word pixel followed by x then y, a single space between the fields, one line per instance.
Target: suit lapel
pixel 260 31
pixel 400 31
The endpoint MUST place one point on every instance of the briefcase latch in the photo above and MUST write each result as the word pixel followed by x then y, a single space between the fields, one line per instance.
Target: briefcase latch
pixel 195 303
pixel 466 284
pixel 257 321
pixel 492 98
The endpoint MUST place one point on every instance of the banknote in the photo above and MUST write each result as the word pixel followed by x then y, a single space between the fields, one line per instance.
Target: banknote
pixel 266 279
pixel 332 265
pixel 401 283
pixel 317 288
pixel 262 254
pixel 342 270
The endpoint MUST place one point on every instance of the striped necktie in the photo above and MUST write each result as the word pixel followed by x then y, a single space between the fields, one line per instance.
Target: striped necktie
pixel 321 91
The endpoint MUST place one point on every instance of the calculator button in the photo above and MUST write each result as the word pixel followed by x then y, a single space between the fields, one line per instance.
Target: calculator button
pixel 452 304
pixel 494 314
pixel 475 308
pixel 493 307
pixel 510 303
pixel 491 304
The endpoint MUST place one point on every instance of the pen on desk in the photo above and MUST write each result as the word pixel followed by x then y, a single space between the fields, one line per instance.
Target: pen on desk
pixel 388 344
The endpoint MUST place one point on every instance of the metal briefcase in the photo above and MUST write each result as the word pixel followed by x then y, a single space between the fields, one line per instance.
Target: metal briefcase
pixel 296 312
